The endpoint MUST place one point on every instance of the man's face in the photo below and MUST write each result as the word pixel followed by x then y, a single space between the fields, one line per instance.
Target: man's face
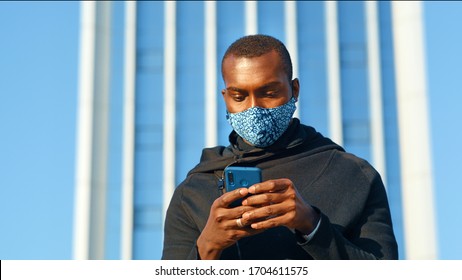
pixel 257 81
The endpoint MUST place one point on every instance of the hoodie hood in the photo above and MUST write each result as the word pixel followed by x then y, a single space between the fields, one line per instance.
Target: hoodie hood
pixel 298 138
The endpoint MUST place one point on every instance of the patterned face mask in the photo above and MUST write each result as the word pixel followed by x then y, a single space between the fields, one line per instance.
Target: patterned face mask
pixel 261 127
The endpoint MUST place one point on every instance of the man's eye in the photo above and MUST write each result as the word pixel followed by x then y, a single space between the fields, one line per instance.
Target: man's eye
pixel 271 93
pixel 238 98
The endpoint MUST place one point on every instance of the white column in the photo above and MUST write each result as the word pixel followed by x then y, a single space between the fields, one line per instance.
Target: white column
pixel 92 134
pixel 101 130
pixel 375 89
pixel 84 132
pixel 333 73
pixel 414 135
pixel 210 81
pixel 290 16
pixel 251 17
pixel 128 164
pixel 169 103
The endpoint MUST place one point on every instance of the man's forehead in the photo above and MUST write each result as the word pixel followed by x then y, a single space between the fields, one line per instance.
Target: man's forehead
pixel 234 60
pixel 271 55
pixel 268 85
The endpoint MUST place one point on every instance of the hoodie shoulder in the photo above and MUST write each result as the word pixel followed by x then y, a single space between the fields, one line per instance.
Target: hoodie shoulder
pixel 214 158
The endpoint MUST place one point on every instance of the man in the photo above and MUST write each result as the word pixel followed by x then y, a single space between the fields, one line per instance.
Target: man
pixel 315 202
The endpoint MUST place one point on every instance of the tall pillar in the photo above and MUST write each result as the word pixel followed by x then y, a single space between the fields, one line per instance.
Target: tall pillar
pixel 92 131
pixel 128 169
pixel 414 135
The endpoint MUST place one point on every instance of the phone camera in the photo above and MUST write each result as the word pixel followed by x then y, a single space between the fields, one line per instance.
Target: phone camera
pixel 231 178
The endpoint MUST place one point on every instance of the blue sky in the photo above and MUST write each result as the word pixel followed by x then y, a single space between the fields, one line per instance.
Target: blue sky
pixel 39 50
pixel 38 93
pixel 444 72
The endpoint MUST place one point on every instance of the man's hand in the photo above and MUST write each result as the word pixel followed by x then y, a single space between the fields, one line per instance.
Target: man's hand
pixel 278 203
pixel 224 225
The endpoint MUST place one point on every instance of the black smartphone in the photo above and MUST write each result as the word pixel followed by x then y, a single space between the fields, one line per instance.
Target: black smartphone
pixel 241 177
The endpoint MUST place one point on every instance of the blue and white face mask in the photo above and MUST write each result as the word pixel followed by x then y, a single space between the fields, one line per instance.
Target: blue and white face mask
pixel 261 127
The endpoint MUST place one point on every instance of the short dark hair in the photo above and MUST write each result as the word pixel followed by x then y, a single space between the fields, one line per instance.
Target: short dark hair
pixel 257 45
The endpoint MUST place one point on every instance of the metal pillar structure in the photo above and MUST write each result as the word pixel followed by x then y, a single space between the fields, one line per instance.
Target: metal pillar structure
pixel 414 135
pixel 92 134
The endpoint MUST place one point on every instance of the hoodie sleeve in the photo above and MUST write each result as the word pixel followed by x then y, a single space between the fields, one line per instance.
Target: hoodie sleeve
pixel 180 232
pixel 370 237
pixel 187 215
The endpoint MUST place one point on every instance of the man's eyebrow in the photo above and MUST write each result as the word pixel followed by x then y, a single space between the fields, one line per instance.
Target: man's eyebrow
pixel 270 84
pixel 235 89
pixel 265 86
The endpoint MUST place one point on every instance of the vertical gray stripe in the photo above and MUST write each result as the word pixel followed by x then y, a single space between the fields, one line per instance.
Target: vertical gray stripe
pixel 414 137
pixel 169 103
pixel 128 131
pixel 210 77
pixel 333 73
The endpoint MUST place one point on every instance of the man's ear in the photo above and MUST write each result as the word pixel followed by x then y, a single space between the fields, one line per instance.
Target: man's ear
pixel 223 91
pixel 295 88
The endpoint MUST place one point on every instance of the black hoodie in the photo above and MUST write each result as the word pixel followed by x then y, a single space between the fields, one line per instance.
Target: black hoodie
pixel 348 192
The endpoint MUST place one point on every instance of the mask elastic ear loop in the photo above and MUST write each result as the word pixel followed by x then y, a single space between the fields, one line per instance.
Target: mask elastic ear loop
pixel 292 89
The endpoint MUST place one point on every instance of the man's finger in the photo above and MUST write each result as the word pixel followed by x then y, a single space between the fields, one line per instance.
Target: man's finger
pixel 229 197
pixel 270 186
